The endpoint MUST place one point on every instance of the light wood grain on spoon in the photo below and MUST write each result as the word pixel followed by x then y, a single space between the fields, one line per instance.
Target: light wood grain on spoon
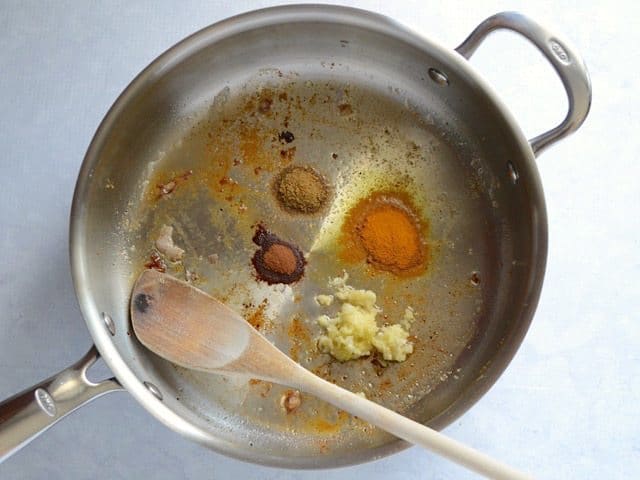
pixel 192 329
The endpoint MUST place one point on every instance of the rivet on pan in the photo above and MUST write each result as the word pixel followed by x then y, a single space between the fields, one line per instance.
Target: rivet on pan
pixel 108 321
pixel 513 173
pixel 153 389
pixel 438 77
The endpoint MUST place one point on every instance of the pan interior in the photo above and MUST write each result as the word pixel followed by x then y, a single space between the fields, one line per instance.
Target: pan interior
pixel 367 115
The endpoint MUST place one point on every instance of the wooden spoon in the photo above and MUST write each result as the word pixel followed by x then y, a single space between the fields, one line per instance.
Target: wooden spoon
pixel 194 330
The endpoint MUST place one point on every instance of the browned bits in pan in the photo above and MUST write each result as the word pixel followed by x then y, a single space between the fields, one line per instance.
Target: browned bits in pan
pixel 286 136
pixel 169 187
pixel 265 105
pixel 379 364
pixel 345 109
pixel 156 262
pixel 287 154
pixel 291 400
pixel 280 258
pixel 300 338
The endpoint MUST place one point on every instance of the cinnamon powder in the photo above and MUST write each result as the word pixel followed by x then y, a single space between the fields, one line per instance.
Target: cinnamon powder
pixel 277 261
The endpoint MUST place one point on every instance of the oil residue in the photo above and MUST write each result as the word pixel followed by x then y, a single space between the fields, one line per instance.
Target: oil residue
pixel 218 184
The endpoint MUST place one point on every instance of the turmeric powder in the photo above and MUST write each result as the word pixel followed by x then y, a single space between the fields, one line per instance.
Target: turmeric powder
pixel 385 230
pixel 390 238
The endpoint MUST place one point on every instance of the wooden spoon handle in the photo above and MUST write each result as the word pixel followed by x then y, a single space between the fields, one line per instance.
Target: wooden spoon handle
pixel 408 430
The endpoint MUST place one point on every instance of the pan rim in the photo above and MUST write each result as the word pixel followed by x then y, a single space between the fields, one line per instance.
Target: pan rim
pixel 174 55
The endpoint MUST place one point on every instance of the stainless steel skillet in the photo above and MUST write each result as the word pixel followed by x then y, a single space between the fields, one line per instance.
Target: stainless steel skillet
pixel 418 115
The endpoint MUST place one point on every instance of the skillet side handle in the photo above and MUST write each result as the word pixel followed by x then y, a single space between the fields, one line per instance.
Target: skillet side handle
pixel 29 413
pixel 565 60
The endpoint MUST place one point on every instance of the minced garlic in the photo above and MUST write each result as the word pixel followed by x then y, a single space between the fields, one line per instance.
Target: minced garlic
pixel 324 300
pixel 354 333
pixel 165 245
pixel 392 342
pixel 408 318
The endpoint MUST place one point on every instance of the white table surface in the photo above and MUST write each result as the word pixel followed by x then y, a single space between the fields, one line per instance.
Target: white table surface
pixel 568 405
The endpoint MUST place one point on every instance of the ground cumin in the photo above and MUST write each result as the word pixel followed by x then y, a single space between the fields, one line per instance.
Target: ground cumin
pixel 301 189
pixel 385 230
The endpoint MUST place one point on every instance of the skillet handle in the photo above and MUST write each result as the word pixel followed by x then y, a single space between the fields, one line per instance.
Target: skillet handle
pixel 29 413
pixel 567 63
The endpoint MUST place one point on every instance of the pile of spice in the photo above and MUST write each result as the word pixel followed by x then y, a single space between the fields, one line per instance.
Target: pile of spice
pixel 276 261
pixel 387 231
pixel 301 189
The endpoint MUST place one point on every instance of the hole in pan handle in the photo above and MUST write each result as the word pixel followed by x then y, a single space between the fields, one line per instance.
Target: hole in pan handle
pixel 29 413
pixel 565 60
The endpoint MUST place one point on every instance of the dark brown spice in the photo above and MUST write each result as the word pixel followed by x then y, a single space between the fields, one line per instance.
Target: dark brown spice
pixel 227 181
pixel 276 261
pixel 257 319
pixel 345 109
pixel 286 136
pixel 263 387
pixel 156 262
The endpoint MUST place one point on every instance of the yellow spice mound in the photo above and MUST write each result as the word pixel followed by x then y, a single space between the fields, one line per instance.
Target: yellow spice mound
pixel 354 333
